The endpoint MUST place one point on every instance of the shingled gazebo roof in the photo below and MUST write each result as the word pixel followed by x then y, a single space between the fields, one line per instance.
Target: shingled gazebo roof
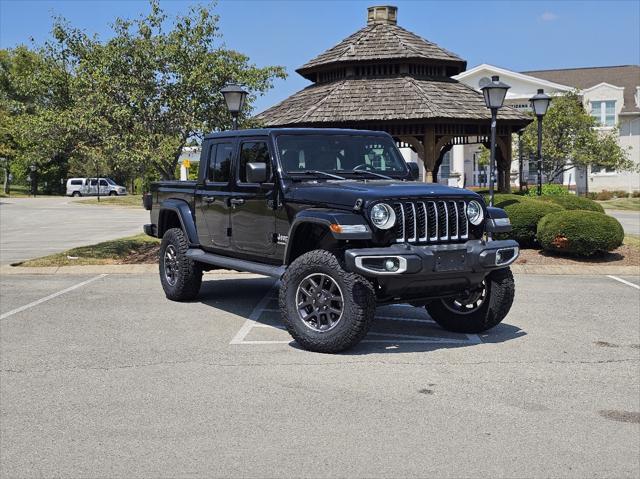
pixel 383 75
pixel 381 99
pixel 380 41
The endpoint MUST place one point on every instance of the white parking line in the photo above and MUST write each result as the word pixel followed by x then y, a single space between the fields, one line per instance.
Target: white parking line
pixel 252 322
pixel 624 281
pixel 51 296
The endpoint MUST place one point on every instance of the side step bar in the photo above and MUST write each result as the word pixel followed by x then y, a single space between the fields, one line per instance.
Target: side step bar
pixel 235 264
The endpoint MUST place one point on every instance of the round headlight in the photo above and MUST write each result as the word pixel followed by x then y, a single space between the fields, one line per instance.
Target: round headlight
pixel 383 216
pixel 474 212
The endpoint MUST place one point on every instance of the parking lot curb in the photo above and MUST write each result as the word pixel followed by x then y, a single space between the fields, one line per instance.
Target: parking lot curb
pixel 599 269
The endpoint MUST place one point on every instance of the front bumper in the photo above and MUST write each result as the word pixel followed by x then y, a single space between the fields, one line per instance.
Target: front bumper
pixel 474 256
pixel 427 272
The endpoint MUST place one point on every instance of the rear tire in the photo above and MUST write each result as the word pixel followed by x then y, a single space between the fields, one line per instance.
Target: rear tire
pixel 481 310
pixel 340 306
pixel 76 194
pixel 181 277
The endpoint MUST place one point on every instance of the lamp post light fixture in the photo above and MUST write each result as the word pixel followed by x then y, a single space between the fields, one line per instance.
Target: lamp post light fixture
pixel 494 93
pixel 234 97
pixel 540 103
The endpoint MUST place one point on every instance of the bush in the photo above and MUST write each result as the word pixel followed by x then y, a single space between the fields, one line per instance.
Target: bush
pixel 549 190
pixel 608 195
pixel 572 202
pixel 582 233
pixel 524 216
pixel 502 200
pixel 635 194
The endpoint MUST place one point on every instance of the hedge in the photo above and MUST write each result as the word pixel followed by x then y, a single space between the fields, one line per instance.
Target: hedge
pixel 502 200
pixel 524 216
pixel 577 232
pixel 573 202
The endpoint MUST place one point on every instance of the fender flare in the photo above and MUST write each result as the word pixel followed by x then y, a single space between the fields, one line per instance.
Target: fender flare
pixel 185 215
pixel 326 218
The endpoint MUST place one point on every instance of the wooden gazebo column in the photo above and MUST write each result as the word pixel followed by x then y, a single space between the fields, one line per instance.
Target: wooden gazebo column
pixel 430 154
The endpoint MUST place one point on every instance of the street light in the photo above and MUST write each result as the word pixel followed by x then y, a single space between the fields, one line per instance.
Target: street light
pixel 540 104
pixel 234 96
pixel 34 184
pixel 494 93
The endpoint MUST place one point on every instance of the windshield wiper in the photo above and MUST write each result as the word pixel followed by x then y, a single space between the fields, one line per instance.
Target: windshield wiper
pixel 367 172
pixel 317 172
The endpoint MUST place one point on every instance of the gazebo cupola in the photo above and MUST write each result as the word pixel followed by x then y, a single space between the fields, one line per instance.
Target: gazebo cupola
pixel 384 77
pixel 382 49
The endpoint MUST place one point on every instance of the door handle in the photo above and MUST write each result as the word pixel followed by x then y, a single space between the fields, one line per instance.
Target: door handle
pixel 209 199
pixel 236 202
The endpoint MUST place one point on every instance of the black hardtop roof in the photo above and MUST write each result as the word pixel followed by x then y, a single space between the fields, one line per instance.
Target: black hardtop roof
pixel 292 131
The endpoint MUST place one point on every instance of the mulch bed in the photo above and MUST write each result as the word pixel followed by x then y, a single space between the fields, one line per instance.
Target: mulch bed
pixel 624 256
pixel 146 255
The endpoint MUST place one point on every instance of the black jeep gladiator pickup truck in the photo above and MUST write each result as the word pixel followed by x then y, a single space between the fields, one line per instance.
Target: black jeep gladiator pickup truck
pixel 338 218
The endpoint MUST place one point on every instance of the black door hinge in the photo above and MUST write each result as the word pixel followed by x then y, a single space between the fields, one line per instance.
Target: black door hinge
pixel 228 231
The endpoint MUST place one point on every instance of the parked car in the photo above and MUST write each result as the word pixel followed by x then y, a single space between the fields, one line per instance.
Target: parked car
pixel 338 218
pixel 89 187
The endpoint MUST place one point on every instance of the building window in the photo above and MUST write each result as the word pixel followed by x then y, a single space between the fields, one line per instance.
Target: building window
pixel 599 169
pixel 604 112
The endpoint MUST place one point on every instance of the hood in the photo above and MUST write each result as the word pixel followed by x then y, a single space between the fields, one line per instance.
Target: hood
pixel 345 193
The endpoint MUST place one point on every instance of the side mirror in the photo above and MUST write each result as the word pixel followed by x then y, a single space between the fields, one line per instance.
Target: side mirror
pixel 414 171
pixel 256 172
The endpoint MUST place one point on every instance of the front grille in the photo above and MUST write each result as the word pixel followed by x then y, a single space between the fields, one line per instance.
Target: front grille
pixel 431 221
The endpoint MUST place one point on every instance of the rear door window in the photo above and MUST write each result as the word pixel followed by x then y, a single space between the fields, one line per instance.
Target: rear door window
pixel 220 162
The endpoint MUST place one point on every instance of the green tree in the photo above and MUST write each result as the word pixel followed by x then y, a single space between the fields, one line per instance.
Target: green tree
pixel 126 106
pixel 155 86
pixel 569 138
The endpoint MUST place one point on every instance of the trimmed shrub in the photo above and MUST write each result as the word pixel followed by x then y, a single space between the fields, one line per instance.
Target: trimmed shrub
pixel 582 233
pixel 524 216
pixel 502 200
pixel 550 189
pixel 573 202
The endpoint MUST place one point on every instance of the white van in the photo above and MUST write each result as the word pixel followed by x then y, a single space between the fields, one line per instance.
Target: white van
pixel 89 187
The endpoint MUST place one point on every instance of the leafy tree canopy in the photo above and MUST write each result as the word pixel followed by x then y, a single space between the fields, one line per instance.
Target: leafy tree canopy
pixel 569 138
pixel 126 106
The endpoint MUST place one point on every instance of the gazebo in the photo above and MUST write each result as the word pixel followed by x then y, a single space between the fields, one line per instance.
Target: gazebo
pixel 384 77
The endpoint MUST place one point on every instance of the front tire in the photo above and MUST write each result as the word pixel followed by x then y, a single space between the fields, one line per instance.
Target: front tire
pixel 113 193
pixel 481 309
pixel 181 277
pixel 325 308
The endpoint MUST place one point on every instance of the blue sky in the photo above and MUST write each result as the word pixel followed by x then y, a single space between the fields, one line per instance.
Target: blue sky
pixel 518 35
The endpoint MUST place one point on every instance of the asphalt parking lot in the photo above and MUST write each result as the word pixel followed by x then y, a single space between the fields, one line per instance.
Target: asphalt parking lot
pixel 103 377
pixel 34 227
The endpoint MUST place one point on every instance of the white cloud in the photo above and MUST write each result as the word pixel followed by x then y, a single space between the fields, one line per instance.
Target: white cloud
pixel 548 17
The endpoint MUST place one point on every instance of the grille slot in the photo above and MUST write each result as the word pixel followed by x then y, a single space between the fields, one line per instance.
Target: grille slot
pixel 431 221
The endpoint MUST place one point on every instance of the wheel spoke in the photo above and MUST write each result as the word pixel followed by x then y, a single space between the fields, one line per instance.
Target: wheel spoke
pixel 321 294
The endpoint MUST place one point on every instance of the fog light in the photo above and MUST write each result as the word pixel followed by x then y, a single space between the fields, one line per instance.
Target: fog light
pixel 391 265
pixel 506 255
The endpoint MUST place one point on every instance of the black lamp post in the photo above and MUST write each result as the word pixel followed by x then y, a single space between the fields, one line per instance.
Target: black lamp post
pixel 34 183
pixel 494 93
pixel 540 104
pixel 234 96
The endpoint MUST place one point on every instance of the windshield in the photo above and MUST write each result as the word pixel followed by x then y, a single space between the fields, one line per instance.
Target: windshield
pixel 111 182
pixel 341 154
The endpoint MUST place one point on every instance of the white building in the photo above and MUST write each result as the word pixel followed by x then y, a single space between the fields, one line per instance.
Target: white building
pixel 611 94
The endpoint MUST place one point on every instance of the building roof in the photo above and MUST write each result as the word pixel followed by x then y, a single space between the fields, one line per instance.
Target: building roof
pixel 383 99
pixel 626 76
pixel 381 41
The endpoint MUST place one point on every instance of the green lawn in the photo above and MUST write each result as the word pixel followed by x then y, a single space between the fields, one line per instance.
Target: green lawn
pixel 129 201
pixel 133 249
pixel 632 204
